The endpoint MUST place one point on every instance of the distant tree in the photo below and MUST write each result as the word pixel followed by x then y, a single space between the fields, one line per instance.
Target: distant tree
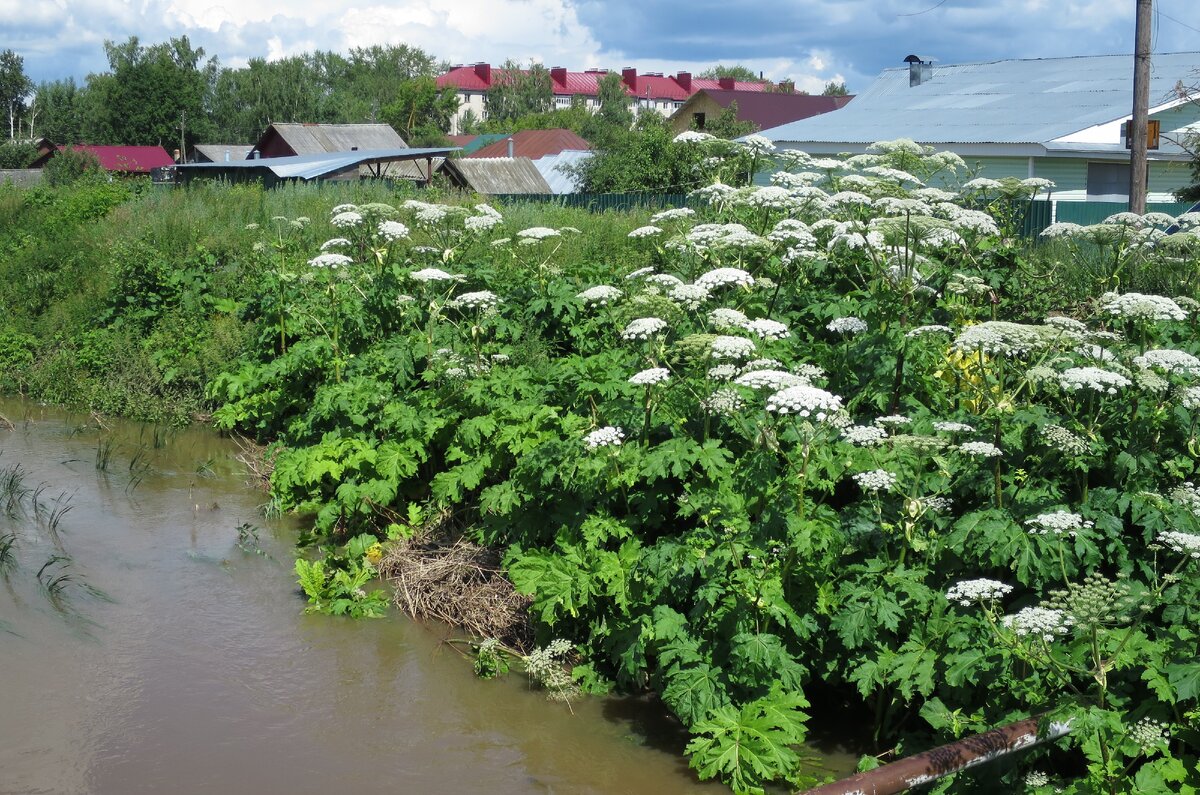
pixel 57 106
pixel 15 87
pixel 833 89
pixel 17 154
pixel 644 159
pixel 736 71
pixel 374 75
pixel 152 94
pixel 421 112
pixel 613 116
pixel 517 92
pixel 246 100
pixel 73 165
pixel 727 125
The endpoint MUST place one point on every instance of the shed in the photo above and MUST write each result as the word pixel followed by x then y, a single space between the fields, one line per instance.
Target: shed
pixel 325 166
pixel 286 139
pixel 495 175
pixel 217 153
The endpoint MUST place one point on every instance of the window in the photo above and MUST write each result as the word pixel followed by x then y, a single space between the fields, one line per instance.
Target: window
pixel 1108 182
pixel 698 121
pixel 562 102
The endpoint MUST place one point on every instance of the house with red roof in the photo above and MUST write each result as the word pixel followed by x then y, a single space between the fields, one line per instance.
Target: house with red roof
pixel 765 109
pixel 647 91
pixel 117 159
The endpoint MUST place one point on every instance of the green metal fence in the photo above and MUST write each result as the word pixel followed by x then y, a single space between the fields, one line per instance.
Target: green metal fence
pixel 1085 213
pixel 599 202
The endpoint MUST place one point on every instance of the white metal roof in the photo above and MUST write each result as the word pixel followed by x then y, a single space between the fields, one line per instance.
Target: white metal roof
pixel 1006 102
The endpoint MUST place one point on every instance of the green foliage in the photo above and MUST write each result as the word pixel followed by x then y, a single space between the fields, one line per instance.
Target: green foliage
pixel 71 165
pixel 14 154
pixel 736 71
pixel 421 113
pixel 728 126
pixel 835 89
pixel 518 92
pixel 750 747
pixel 15 87
pixel 337 585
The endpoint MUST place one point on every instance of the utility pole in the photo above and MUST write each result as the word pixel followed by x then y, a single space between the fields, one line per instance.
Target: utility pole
pixel 182 144
pixel 1141 109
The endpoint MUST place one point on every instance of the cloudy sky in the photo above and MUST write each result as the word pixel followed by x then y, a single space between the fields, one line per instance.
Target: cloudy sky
pixel 810 41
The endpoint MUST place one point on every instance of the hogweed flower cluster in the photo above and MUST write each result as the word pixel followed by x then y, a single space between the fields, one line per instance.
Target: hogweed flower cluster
pixel 608 436
pixel 1138 306
pixel 330 260
pixel 481 299
pixel 980 449
pixel 1065 441
pixel 1183 543
pixel 1039 622
pixel 722 277
pixel 726 347
pixel 969 592
pixel 1058 523
pixel 1169 361
pixel 805 401
pixel 650 377
pixel 864 435
pixel 875 480
pixel 846 325
pixel 1094 379
pixel 767 329
pixel 600 295
pixel 643 328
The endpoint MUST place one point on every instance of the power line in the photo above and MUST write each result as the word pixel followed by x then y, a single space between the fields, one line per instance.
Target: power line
pixel 939 4
pixel 1165 15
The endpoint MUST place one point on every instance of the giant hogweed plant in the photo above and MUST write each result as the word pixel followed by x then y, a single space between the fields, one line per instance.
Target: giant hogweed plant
pixel 762 470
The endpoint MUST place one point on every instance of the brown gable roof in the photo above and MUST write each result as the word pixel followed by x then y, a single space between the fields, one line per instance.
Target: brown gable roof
pixel 534 144
pixel 496 175
pixel 769 109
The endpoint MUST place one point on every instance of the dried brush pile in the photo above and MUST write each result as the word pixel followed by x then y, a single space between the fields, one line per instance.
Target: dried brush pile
pixel 449 579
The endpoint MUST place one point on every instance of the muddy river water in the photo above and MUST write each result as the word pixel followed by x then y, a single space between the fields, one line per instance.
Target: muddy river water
pixel 176 658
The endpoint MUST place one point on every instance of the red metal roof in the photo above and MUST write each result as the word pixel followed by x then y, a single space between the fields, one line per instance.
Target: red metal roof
pixel 771 109
pixel 132 159
pixel 481 77
pixel 534 144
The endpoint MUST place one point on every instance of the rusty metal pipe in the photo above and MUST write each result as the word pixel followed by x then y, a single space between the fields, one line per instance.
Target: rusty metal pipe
pixel 953 757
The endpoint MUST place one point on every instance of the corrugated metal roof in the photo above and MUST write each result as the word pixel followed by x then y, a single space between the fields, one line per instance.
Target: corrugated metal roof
pixel 216 152
pixel 308 139
pixel 534 144
pixel 561 181
pixel 473 143
pixel 498 175
pixel 128 159
pixel 318 165
pixel 1015 102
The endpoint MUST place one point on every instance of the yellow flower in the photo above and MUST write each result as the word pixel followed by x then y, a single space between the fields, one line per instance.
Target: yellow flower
pixel 374 554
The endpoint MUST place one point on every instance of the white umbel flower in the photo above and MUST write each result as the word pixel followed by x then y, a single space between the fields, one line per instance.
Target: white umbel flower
pixel 767 329
pixel 774 380
pixel 689 296
pixel 727 347
pixel 608 436
pixel 346 219
pixel 337 242
pixel 432 275
pixel 864 435
pixel 724 318
pixel 645 231
pixel 650 377
pixel 724 402
pixel 969 592
pixel 600 295
pixel 846 325
pixel 875 481
pixel 1168 360
pixel 1143 307
pixel 1057 523
pixel 720 277
pixel 805 401
pixel 1094 379
pixel 481 299
pixel 1039 622
pixel 672 214
pixel 643 328
pixel 952 427
pixel 392 230
pixel 979 449
pixel 330 260
pixel 538 233
pixel 1184 543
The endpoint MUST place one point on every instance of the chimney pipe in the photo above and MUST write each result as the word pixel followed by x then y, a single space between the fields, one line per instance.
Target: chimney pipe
pixel 629 78
pixel 484 72
pixel 920 70
pixel 510 147
pixel 684 79
pixel 727 83
pixel 559 75
pixel 226 155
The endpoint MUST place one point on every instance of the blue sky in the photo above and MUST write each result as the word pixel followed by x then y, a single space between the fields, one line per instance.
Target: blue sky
pixel 810 41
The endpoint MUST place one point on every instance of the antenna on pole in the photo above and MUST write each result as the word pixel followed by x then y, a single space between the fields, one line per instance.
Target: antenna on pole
pixel 1138 173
